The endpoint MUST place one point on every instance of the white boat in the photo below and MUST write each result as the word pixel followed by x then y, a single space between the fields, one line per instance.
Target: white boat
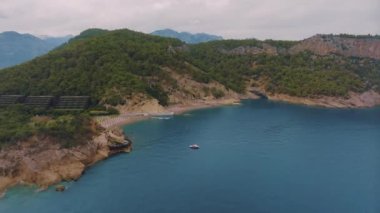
pixel 194 146
pixel 162 116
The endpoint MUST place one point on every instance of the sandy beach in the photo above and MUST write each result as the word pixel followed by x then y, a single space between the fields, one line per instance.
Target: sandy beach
pixel 69 164
pixel 126 118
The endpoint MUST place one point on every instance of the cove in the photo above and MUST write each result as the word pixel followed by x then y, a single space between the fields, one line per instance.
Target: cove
pixel 260 156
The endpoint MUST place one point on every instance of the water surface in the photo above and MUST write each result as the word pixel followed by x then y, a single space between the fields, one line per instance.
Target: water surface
pixel 257 157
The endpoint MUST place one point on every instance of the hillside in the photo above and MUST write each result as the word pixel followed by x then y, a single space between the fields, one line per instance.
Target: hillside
pixel 113 66
pixel 346 45
pixel 16 48
pixel 142 73
pixel 107 65
pixel 187 37
pixel 276 68
pixel 124 67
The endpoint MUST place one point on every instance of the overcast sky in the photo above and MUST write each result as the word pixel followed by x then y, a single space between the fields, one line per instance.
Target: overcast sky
pixel 278 19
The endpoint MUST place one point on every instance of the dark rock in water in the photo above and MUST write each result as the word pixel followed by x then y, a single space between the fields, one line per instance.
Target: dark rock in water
pixel 60 188
pixel 117 141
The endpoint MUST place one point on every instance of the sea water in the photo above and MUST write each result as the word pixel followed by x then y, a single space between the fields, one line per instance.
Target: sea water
pixel 260 156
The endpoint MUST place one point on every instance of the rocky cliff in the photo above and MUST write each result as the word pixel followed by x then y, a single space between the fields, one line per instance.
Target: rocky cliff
pixel 342 45
pixel 252 50
pixel 42 161
pixel 345 45
pixel 354 100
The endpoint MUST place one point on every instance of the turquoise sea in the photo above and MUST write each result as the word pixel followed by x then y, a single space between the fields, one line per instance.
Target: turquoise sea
pixel 260 156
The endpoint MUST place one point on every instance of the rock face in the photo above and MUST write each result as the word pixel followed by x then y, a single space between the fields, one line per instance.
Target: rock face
pixel 354 100
pixel 346 46
pixel 193 91
pixel 361 46
pixel 60 188
pixel 252 50
pixel 189 92
pixel 43 162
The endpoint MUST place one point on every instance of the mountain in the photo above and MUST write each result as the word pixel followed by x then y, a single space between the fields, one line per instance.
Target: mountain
pixel 104 64
pixel 137 72
pixel 277 69
pixel 114 66
pixel 56 41
pixel 187 37
pixel 16 48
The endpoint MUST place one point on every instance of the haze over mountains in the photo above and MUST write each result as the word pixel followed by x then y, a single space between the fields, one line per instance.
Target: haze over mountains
pixel 16 48
pixel 187 37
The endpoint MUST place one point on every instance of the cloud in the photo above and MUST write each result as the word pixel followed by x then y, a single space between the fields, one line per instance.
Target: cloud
pixel 279 19
pixel 2 15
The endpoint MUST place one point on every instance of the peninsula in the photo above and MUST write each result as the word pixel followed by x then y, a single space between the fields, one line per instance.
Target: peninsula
pixel 130 75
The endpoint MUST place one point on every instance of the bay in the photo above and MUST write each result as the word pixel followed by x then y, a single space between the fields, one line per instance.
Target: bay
pixel 260 156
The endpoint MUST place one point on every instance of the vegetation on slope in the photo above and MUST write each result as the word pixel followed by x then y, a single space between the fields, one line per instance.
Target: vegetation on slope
pixel 104 65
pixel 20 122
pixel 306 76
pixel 112 65
pixel 303 74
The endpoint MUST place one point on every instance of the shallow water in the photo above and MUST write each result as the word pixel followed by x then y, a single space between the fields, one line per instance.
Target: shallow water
pixel 257 157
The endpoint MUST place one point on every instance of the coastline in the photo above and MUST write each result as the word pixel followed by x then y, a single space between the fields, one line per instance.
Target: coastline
pixel 130 118
pixel 48 164
pixel 43 162
pixel 48 168
pixel 353 100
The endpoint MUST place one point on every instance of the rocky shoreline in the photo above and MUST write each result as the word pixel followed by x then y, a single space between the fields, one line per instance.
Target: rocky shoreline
pixel 354 100
pixel 43 162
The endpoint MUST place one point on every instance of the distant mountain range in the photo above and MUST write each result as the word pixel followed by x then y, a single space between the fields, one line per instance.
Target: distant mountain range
pixel 16 48
pixel 187 37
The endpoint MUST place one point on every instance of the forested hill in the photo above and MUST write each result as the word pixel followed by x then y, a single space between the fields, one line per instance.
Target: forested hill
pixel 98 63
pixel 276 66
pixel 110 65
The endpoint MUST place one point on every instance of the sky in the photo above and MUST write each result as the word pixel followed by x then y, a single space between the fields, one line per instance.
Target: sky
pixel 262 19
